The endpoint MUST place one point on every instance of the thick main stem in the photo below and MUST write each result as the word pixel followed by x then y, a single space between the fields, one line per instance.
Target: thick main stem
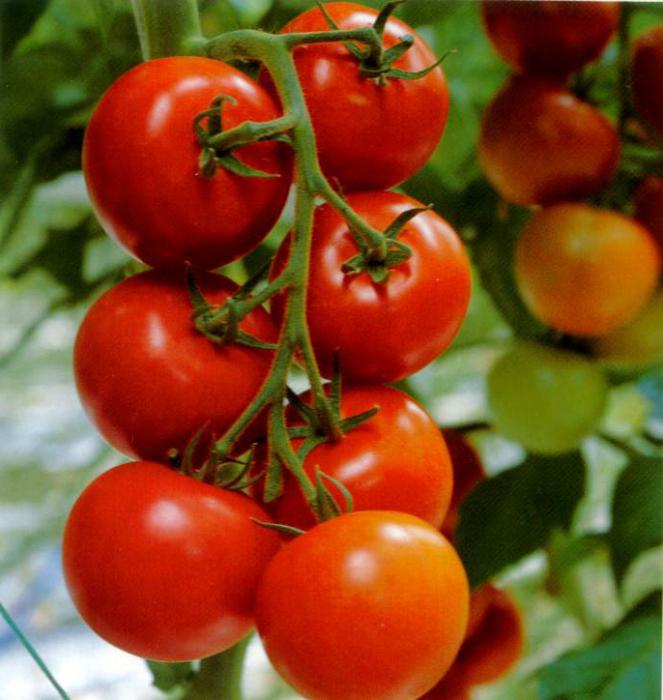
pixel 167 28
pixel 220 676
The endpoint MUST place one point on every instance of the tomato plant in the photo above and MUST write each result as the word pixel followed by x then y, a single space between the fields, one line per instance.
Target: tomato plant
pixel 149 380
pixel 546 399
pixel 646 77
pixel 583 270
pixel 162 565
pixel 326 611
pixel 147 188
pixel 397 460
pixel 371 133
pixel 540 144
pixel 382 332
pixel 553 38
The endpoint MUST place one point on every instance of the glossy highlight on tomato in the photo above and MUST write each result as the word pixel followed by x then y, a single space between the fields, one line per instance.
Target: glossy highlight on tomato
pixel 583 270
pixel 383 332
pixel 371 604
pixel 552 38
pixel 149 380
pixel 369 136
pixel 140 160
pixel 162 565
pixel 540 144
pixel 396 460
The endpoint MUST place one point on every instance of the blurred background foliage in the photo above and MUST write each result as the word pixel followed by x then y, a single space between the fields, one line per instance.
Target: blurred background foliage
pixel 575 538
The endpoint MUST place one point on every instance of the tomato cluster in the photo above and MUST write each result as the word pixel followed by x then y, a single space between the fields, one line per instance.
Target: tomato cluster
pixel 585 271
pixel 163 557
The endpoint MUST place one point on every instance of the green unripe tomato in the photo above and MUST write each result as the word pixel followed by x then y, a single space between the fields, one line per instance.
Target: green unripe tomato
pixel 546 399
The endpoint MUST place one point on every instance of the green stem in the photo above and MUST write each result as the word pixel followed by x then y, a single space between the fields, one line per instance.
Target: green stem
pixel 33 652
pixel 167 27
pixel 250 132
pixel 367 36
pixel 220 676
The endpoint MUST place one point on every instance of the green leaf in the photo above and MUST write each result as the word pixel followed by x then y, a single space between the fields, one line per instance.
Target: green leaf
pixel 16 19
pixel 637 516
pixel 514 513
pixel 624 665
pixel 168 676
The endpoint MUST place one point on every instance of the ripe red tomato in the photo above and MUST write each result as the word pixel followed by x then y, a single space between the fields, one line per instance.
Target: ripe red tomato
pixel 583 270
pixel 369 136
pixel 149 380
pixel 164 566
pixel 140 160
pixel 555 38
pixel 384 332
pixel 397 460
pixel 648 202
pixel 647 78
pixel 371 604
pixel 540 144
pixel 493 643
pixel 467 473
pixel 496 642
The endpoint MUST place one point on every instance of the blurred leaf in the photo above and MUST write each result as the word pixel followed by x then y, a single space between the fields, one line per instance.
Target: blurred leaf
pixel 16 20
pixel 624 665
pixel 514 513
pixel 637 516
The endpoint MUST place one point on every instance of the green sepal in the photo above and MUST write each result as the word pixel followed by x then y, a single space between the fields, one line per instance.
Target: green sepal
pixel 306 413
pixel 398 224
pixel 242 338
pixel 348 424
pixel 279 527
pixel 335 386
pixel 416 75
pixel 347 496
pixel 186 465
pixel 385 14
pixel 247 288
pixel 325 506
pixel 232 164
pixel 355 50
pixel 311 442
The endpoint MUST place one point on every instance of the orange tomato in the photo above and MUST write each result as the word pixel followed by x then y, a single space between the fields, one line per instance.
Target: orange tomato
pixel 583 270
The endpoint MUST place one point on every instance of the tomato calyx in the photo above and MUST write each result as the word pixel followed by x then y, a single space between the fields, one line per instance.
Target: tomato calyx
pixel 220 324
pixel 378 267
pixel 376 63
pixel 217 145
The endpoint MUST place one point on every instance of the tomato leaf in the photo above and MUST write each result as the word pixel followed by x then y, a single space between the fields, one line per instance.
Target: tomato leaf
pixel 624 665
pixel 637 518
pixel 514 513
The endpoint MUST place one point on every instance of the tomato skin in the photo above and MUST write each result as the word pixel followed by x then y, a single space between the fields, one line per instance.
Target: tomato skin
pixel 383 332
pixel 140 159
pixel 397 460
pixel 568 391
pixel 583 270
pixel 647 78
pixel 149 380
pixel 497 640
pixel 540 144
pixel 648 200
pixel 553 38
pixel 164 566
pixel 372 604
pixel 492 645
pixel 467 473
pixel 369 136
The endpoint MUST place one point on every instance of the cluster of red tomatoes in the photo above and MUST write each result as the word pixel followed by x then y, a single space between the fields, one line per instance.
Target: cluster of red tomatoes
pixel 370 604
pixel 582 270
